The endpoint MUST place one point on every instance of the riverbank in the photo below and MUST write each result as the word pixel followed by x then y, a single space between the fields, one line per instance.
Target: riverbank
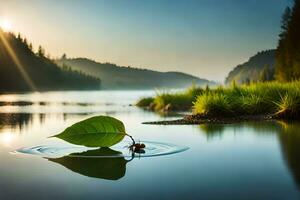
pixel 201 119
pixel 257 101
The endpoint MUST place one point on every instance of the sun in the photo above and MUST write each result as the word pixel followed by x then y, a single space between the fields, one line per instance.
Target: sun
pixel 5 25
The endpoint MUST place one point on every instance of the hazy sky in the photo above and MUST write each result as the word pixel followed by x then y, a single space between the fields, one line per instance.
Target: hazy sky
pixel 206 38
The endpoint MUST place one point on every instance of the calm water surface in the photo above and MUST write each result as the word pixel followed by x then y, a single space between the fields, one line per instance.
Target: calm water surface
pixel 257 160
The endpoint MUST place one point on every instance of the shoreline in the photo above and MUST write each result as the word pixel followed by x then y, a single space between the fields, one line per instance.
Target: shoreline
pixel 201 119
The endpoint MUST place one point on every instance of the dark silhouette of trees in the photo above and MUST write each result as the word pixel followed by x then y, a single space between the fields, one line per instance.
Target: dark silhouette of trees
pixel 24 65
pixel 25 42
pixel 19 36
pixel 30 46
pixel 63 57
pixel 288 50
pixel 41 52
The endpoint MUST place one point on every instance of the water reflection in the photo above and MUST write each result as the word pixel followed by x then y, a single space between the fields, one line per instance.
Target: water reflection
pixel 289 138
pixel 218 130
pixel 16 103
pixel 45 103
pixel 110 167
pixel 15 120
pixel 287 133
pixel 212 130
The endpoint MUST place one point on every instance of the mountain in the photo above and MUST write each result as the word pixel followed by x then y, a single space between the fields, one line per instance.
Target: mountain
pixel 23 70
pixel 119 77
pixel 258 68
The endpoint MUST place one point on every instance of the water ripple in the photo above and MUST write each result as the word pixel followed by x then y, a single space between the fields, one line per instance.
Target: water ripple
pixel 152 149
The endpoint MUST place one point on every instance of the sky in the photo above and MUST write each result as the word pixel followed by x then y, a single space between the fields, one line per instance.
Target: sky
pixel 205 38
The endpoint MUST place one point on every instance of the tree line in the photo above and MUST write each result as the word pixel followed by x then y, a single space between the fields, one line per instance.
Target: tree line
pixel 21 68
pixel 288 51
pixel 287 54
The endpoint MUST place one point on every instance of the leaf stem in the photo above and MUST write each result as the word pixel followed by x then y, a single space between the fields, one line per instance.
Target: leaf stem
pixel 133 141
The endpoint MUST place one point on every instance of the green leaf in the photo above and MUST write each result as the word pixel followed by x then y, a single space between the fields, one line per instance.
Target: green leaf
pixel 88 164
pixel 100 131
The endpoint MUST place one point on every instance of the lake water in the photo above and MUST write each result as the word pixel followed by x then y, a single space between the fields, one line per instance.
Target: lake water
pixel 255 160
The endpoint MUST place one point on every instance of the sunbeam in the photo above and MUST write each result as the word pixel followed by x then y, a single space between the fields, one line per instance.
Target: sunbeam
pixel 17 62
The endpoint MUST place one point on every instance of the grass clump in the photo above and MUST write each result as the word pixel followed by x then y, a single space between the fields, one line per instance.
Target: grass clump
pixel 289 105
pixel 145 102
pixel 276 99
pixel 252 104
pixel 176 101
pixel 272 98
pixel 210 104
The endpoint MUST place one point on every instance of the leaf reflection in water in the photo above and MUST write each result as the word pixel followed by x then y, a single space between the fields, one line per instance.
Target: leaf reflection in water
pixel 102 163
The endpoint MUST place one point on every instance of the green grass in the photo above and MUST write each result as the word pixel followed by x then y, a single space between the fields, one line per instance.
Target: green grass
pixel 289 105
pixel 172 100
pixel 145 102
pixel 269 98
pixel 176 101
pixel 282 99
pixel 212 103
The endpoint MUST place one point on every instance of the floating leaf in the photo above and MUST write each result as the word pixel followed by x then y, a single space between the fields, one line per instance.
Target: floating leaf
pixel 100 131
pixel 87 163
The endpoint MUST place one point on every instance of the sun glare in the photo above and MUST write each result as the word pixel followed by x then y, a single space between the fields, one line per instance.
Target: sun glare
pixel 6 25
pixel 7 138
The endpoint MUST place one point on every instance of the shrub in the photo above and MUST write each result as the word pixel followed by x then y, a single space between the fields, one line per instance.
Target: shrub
pixel 177 101
pixel 172 101
pixel 212 104
pixel 145 102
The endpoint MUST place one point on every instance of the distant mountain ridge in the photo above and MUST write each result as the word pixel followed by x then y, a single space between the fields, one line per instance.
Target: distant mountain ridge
pixel 259 66
pixel 23 70
pixel 119 77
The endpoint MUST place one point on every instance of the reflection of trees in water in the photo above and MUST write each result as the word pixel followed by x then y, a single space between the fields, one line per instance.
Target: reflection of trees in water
pixel 22 120
pixel 15 120
pixel 289 138
pixel 218 130
pixel 109 167
pixel 288 135
pixel 212 130
pixel 42 117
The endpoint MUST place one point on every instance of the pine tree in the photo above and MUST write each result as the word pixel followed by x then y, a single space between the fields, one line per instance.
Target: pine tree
pixel 64 57
pixel 281 56
pixel 25 42
pixel 41 52
pixel 294 40
pixel 19 36
pixel 30 46
pixel 288 51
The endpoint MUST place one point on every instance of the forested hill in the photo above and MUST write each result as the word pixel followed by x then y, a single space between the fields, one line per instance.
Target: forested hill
pixel 117 77
pixel 23 70
pixel 260 67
